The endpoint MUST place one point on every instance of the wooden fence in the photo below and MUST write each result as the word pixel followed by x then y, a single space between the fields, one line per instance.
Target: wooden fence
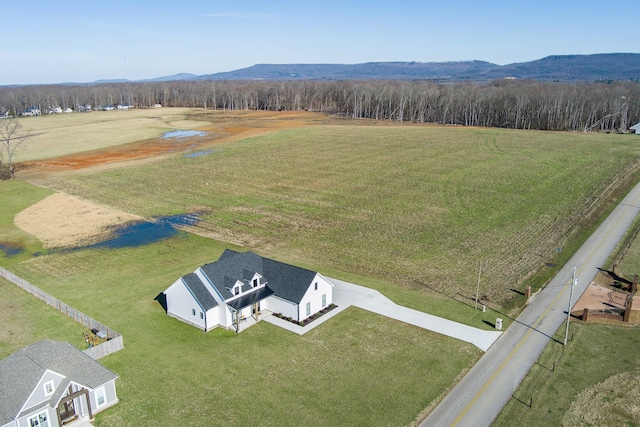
pixel 114 341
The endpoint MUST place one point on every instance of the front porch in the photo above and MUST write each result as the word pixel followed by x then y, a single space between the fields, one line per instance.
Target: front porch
pixel 245 310
pixel 240 322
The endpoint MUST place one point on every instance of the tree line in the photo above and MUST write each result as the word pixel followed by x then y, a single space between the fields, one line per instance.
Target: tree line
pixel 511 104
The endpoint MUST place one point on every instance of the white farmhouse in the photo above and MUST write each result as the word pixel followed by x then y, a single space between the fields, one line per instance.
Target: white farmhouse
pixel 241 285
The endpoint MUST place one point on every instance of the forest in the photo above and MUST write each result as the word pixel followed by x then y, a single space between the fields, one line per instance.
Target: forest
pixel 505 103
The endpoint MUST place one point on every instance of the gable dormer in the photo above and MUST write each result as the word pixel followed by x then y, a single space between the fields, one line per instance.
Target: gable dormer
pixel 237 288
pixel 256 280
pixel 45 388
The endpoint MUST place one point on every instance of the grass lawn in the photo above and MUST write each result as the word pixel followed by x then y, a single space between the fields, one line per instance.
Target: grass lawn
pixel 16 196
pixel 416 206
pixel 596 353
pixel 25 320
pixel 358 368
pixel 60 134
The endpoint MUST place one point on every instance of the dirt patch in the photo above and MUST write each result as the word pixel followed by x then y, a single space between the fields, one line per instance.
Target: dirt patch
pixel 224 126
pixel 61 220
pixel 598 297
pixel 605 297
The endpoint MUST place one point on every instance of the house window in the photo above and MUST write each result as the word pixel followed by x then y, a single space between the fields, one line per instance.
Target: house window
pixel 316 286
pixel 193 311
pixel 255 282
pixel 236 290
pixel 324 300
pixel 201 315
pixel 48 388
pixel 101 397
pixel 308 308
pixel 40 420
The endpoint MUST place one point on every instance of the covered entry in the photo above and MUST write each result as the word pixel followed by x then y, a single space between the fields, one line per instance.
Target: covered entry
pixel 240 306
pixel 71 406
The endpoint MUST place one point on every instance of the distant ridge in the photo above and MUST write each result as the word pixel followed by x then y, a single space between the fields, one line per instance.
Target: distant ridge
pixel 369 70
pixel 562 68
pixel 604 67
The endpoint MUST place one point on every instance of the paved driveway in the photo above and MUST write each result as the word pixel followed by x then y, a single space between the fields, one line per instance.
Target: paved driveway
pixel 347 294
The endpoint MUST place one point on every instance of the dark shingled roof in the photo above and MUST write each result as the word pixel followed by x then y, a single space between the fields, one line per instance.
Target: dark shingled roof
pixel 199 291
pixel 21 371
pixel 287 281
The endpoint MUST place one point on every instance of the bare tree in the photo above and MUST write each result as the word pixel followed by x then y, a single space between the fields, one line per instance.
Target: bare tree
pixel 11 137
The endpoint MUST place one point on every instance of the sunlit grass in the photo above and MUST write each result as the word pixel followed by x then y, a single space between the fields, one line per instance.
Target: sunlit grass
pixel 410 205
pixel 61 134
pixel 357 368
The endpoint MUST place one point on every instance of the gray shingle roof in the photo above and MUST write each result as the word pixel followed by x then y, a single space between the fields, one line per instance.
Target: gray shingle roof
pixel 21 371
pixel 199 291
pixel 287 281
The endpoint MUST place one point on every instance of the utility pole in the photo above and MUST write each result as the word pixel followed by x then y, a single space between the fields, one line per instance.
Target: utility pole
pixel 574 281
pixel 478 286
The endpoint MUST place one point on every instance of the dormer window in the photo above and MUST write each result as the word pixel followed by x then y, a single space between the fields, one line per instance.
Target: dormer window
pixel 48 388
pixel 255 282
pixel 236 290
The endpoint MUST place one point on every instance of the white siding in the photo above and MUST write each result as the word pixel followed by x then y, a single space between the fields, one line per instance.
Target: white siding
pixel 278 305
pixel 180 304
pixel 314 296
pixel 213 317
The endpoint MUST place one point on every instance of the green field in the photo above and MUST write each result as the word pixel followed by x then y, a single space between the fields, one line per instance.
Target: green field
pixel 409 210
pixel 418 207
pixel 173 374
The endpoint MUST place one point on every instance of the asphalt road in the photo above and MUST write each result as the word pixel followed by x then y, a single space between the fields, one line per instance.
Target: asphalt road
pixel 489 385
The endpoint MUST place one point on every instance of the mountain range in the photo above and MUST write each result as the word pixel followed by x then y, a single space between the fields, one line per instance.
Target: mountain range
pixel 562 68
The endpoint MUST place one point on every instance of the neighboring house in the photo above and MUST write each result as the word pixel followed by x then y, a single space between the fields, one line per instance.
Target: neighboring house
pixel 243 284
pixel 50 383
pixel 30 112
pixel 636 128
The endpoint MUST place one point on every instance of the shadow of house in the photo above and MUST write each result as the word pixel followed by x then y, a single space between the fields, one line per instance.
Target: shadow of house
pixel 162 300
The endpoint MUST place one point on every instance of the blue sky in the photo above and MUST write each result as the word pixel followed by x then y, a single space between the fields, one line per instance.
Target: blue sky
pixel 83 41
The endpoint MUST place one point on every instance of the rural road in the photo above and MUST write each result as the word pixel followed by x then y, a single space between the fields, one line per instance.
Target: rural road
pixel 489 385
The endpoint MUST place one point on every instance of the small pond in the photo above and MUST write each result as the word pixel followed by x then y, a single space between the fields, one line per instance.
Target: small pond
pixel 182 134
pixel 146 232
pixel 199 154
pixel 10 249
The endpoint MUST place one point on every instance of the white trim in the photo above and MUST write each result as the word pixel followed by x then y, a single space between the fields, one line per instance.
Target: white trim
pixel 24 407
pixel 37 416
pixel 100 392
pixel 53 388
